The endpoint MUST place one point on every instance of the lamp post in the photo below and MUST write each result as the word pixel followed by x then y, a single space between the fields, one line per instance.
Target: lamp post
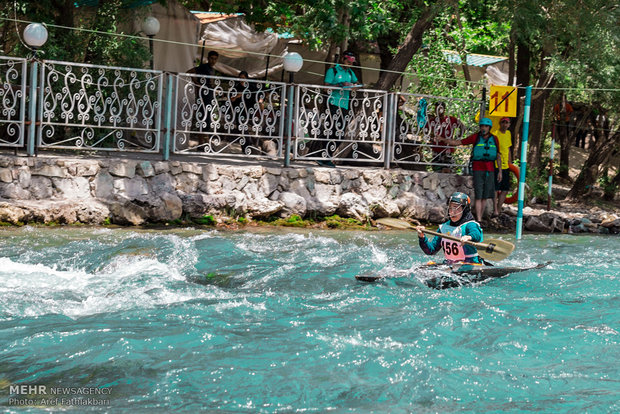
pixel 35 35
pixel 150 27
pixel 292 64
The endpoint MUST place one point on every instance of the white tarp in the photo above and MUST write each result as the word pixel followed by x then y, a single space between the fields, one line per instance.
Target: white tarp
pixel 177 24
pixel 497 74
pixel 242 48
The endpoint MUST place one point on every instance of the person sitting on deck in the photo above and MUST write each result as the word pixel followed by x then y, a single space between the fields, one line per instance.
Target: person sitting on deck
pixel 461 224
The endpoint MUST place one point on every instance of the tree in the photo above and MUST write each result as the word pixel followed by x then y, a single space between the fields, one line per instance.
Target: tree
pixel 102 49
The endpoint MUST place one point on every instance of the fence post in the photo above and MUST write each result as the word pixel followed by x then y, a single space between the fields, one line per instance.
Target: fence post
pixel 526 126
pixel 167 121
pixel 389 128
pixel 550 189
pixel 32 111
pixel 289 121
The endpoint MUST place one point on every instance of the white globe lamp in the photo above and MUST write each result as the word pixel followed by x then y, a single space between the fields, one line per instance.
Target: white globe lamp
pixel 293 62
pixel 35 35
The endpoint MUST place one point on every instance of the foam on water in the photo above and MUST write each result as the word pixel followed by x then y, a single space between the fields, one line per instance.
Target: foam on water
pixel 272 321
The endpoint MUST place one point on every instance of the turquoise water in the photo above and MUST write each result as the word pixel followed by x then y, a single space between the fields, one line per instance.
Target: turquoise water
pixel 280 324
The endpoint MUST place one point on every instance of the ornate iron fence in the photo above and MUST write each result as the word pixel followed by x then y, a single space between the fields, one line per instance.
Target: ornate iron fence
pixel 81 106
pixel 232 116
pixel 420 120
pixel 101 108
pixel 339 124
pixel 13 75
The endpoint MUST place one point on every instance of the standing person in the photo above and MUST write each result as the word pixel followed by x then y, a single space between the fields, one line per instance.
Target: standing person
pixel 207 103
pixel 443 126
pixel 484 155
pixel 461 224
pixel 504 137
pixel 343 76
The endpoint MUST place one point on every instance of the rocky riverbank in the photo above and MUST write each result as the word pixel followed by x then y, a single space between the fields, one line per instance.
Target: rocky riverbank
pixel 66 190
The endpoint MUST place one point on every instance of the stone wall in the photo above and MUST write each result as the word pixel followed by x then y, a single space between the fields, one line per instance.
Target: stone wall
pixel 69 190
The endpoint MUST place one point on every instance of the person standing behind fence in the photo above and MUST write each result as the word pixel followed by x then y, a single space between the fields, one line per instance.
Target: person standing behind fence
pixel 484 155
pixel 340 75
pixel 443 126
pixel 504 137
pixel 205 87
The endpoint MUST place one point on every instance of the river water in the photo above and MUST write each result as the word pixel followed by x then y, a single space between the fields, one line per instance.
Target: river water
pixel 273 320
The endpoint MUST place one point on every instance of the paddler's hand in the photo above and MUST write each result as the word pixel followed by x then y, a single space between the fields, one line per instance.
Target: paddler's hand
pixel 420 230
pixel 465 239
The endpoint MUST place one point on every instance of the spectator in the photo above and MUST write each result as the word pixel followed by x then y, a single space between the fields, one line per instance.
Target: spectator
pixel 485 151
pixel 441 127
pixel 206 101
pixel 340 75
pixel 504 137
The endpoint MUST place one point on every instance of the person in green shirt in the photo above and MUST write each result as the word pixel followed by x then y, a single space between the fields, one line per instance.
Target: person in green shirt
pixel 341 76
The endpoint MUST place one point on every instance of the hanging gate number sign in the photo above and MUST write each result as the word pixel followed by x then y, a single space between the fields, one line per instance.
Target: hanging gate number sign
pixel 503 101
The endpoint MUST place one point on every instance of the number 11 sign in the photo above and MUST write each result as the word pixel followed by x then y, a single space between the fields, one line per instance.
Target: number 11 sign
pixel 503 101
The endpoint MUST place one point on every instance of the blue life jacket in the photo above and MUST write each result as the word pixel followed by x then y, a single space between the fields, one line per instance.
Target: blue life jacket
pixel 485 150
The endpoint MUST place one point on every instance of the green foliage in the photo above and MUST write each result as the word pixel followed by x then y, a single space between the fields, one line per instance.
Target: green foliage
pixel 537 183
pixel 608 186
pixel 75 45
pixel 107 221
pixel 242 220
pixel 206 220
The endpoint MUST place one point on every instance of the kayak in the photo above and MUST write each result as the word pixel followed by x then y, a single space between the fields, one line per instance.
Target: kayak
pixel 443 276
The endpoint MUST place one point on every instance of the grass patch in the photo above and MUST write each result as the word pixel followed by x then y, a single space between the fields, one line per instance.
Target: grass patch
pixel 206 220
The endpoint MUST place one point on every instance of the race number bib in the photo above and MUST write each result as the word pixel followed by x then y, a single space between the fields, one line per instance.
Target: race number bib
pixel 453 250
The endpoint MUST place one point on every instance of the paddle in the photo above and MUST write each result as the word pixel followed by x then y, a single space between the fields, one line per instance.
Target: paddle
pixel 493 249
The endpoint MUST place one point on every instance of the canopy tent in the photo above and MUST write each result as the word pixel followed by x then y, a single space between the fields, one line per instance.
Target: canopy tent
pixel 239 45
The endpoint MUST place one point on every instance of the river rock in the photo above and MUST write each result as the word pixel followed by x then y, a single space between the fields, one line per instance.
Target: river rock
pixel 69 189
pixel 385 208
pixel 162 207
pixel 292 204
pixel 6 176
pixel 536 224
pixel 125 212
pixel 125 169
pixel 263 207
pixel 13 191
pixel 197 205
pixel 145 169
pixel 353 205
pixel 41 188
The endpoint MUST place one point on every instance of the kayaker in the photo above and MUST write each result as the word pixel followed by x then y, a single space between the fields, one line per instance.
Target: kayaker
pixel 461 224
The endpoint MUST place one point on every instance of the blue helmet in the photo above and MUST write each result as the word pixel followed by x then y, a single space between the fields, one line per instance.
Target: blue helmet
pixel 460 198
pixel 486 121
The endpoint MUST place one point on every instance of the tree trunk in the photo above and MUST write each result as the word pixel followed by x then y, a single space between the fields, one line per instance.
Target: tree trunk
pixel 523 79
pixel 385 43
pixel 599 155
pixel 412 43
pixel 511 60
pixel 537 110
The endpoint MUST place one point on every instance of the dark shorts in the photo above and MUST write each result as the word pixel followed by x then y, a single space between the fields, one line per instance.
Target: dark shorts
pixel 484 184
pixel 503 185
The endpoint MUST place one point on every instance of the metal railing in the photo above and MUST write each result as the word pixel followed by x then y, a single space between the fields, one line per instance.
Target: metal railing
pixel 13 76
pixel 232 116
pixel 101 108
pixel 339 124
pixel 418 123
